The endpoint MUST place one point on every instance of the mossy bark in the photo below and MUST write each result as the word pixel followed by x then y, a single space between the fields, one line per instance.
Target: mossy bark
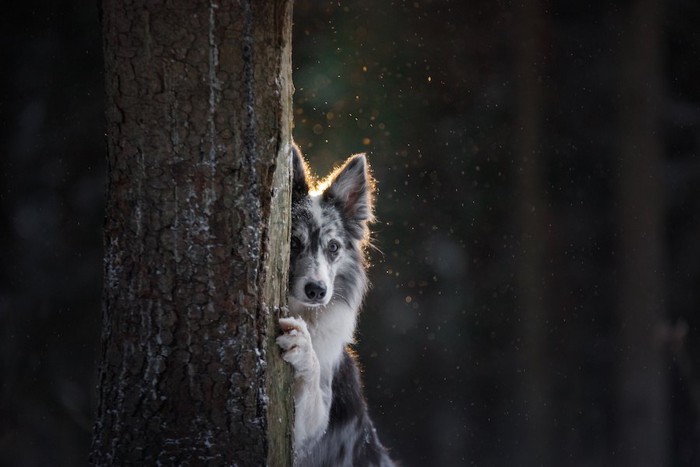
pixel 196 233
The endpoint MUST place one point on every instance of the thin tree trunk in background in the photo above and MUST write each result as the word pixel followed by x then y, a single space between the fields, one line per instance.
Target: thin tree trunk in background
pixel 531 212
pixel 642 393
pixel 197 233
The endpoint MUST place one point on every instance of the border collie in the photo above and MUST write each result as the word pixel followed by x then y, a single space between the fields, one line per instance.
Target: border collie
pixel 327 282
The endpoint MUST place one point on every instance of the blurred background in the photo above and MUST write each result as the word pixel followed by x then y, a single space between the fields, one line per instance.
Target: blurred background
pixel 536 277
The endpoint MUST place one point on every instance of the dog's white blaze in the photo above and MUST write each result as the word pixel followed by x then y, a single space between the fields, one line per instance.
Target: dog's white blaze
pixel 316 210
pixel 322 270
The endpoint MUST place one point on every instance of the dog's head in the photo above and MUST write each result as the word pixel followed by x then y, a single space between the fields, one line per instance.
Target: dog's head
pixel 329 230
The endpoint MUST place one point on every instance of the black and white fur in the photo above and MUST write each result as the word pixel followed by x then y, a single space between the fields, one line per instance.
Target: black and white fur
pixel 326 286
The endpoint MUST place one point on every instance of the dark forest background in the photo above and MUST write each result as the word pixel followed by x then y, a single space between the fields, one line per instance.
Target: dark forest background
pixel 511 319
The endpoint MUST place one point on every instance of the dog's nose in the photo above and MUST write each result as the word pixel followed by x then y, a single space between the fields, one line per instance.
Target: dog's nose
pixel 315 290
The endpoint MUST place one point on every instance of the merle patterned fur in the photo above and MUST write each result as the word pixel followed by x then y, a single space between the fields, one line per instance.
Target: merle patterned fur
pixel 327 283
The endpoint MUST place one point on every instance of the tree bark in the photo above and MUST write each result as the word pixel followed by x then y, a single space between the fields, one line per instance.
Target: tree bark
pixel 642 386
pixel 196 234
pixel 531 212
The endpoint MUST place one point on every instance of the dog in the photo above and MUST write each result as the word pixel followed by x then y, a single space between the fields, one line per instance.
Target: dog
pixel 327 282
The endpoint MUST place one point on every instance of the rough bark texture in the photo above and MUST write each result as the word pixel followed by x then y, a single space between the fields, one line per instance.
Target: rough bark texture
pixel 642 386
pixel 197 233
pixel 530 272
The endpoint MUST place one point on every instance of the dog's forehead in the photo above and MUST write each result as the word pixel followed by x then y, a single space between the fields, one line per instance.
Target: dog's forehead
pixel 314 215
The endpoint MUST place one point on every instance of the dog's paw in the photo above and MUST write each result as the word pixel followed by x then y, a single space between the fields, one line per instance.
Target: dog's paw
pixel 295 343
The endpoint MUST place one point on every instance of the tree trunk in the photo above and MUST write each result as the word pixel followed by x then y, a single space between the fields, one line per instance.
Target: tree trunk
pixel 531 212
pixel 642 392
pixel 197 233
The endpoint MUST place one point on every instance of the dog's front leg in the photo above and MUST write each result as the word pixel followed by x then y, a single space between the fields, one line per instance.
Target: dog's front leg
pixel 312 405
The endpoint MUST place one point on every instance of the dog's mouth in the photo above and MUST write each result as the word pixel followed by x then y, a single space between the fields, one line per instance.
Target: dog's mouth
pixel 309 303
pixel 304 303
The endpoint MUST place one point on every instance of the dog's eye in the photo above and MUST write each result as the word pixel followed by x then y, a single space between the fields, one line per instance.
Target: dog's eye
pixel 296 243
pixel 333 246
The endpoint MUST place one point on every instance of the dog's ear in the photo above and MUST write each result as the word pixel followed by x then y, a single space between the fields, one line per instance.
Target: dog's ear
pixel 352 187
pixel 300 175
